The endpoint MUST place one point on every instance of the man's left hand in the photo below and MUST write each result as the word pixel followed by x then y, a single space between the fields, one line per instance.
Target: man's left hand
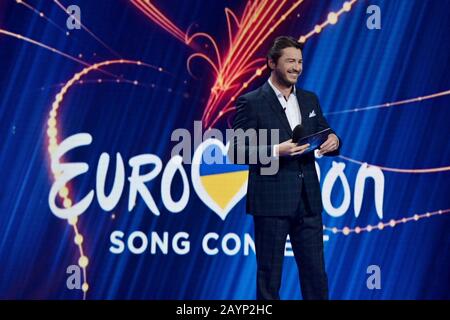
pixel 330 145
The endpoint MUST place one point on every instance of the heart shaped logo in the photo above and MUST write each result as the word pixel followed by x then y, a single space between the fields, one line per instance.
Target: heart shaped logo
pixel 220 185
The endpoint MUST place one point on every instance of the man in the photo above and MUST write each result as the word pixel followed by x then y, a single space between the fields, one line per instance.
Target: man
pixel 288 202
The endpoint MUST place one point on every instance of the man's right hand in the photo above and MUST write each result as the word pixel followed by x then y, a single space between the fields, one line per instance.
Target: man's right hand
pixel 289 148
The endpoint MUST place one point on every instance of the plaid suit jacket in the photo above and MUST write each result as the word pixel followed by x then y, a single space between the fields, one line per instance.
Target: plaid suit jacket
pixel 278 194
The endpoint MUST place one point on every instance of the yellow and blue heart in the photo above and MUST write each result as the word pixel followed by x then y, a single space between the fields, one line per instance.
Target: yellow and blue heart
pixel 219 184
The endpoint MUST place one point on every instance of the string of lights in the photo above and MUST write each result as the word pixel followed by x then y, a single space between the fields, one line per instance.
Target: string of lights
pixel 382 225
pixel 394 103
pixel 52 135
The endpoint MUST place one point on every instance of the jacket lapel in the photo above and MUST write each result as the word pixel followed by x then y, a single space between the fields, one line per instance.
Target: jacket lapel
pixel 276 106
pixel 304 110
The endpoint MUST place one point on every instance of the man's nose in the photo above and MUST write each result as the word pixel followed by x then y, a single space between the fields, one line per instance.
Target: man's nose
pixel 298 67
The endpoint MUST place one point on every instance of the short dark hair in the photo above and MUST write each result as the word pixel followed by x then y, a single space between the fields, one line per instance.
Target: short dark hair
pixel 279 44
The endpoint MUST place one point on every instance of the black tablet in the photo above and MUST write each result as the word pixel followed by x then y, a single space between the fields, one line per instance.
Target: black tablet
pixel 315 140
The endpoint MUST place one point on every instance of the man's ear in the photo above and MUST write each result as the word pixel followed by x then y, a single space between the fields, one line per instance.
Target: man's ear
pixel 272 64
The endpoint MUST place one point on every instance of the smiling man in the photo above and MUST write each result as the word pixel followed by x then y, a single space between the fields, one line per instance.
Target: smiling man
pixel 288 202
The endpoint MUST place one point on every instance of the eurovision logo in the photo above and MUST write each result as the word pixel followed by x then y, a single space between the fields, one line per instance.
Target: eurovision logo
pixel 217 182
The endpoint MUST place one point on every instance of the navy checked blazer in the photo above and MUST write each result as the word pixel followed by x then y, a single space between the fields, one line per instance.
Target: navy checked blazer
pixel 278 194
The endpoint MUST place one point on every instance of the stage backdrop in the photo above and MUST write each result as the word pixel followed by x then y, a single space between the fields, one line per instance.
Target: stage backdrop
pixel 92 91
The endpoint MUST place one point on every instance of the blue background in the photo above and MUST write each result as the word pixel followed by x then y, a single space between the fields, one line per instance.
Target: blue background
pixel 347 65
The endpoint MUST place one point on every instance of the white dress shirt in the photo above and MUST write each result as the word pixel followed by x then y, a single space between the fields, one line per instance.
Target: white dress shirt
pixel 291 108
